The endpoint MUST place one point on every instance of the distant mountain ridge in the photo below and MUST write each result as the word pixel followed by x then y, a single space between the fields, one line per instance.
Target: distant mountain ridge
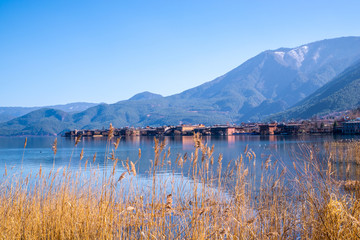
pixel 145 96
pixel 266 84
pixel 8 113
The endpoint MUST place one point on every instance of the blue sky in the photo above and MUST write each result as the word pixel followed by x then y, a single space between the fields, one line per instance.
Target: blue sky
pixel 56 52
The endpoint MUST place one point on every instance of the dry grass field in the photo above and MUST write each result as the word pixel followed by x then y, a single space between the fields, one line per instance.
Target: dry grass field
pixel 220 202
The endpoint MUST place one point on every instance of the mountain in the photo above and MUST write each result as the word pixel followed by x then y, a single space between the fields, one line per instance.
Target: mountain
pixel 268 83
pixel 8 113
pixel 342 93
pixel 280 77
pixel 145 96
pixel 39 122
pixel 73 107
pixel 144 113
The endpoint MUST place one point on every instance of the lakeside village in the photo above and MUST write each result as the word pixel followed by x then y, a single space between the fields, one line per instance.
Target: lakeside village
pixel 327 126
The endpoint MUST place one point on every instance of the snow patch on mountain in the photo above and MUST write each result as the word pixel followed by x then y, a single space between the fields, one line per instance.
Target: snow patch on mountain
pixel 316 55
pixel 279 55
pixel 298 54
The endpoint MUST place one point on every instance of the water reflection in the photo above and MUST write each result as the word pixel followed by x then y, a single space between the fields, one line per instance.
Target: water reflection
pixel 187 143
pixel 38 150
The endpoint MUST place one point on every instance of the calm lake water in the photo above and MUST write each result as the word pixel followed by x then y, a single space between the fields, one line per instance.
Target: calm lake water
pixel 38 150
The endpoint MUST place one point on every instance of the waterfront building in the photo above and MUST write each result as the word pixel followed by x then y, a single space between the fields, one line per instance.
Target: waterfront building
pixel 351 127
pixel 267 129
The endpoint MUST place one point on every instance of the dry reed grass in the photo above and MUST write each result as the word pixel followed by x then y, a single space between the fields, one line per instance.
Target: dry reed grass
pixel 221 202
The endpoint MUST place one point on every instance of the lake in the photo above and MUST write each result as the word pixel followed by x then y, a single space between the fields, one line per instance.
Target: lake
pixel 38 151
